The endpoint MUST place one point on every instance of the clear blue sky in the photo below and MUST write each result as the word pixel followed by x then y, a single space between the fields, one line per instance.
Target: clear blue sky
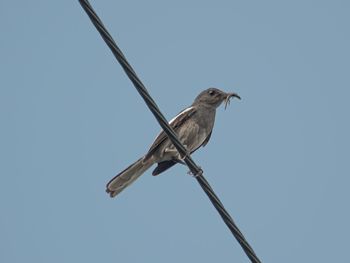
pixel 70 120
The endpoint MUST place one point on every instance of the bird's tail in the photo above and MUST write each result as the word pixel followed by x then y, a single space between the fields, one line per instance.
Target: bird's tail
pixel 127 177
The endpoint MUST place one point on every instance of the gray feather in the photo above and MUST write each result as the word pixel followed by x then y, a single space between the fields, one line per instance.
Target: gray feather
pixel 127 177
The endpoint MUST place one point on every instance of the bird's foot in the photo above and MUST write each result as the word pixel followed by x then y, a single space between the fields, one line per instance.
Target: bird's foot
pixel 200 172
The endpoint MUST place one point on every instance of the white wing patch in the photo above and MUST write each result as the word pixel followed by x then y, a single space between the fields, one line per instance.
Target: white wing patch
pixel 182 112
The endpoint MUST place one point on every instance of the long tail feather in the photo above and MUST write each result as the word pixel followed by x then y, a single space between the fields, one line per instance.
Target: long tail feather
pixel 122 180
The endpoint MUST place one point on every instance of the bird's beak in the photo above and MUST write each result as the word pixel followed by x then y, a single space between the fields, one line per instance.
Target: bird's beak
pixel 228 96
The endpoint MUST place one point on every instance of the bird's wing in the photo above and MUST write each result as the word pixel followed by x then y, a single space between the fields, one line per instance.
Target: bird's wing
pixel 175 123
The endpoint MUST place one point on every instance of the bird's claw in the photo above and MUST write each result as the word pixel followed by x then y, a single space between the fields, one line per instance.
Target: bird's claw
pixel 200 172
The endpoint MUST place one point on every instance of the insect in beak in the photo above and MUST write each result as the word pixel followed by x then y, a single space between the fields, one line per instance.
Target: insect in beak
pixel 228 97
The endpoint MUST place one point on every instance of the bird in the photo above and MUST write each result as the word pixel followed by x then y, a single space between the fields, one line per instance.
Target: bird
pixel 193 126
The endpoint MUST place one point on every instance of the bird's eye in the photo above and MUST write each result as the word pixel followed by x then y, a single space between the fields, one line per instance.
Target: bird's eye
pixel 211 92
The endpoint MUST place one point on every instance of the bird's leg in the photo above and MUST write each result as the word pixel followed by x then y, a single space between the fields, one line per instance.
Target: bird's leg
pixel 177 156
pixel 180 159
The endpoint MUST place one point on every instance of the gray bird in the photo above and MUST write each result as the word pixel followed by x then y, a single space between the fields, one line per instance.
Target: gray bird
pixel 193 127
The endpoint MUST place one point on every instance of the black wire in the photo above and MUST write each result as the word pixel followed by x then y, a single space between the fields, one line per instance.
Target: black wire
pixel 196 171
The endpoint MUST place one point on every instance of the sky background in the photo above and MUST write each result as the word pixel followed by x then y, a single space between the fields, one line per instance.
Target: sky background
pixel 71 120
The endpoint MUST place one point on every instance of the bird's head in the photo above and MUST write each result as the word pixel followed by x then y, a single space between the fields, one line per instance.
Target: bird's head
pixel 214 97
